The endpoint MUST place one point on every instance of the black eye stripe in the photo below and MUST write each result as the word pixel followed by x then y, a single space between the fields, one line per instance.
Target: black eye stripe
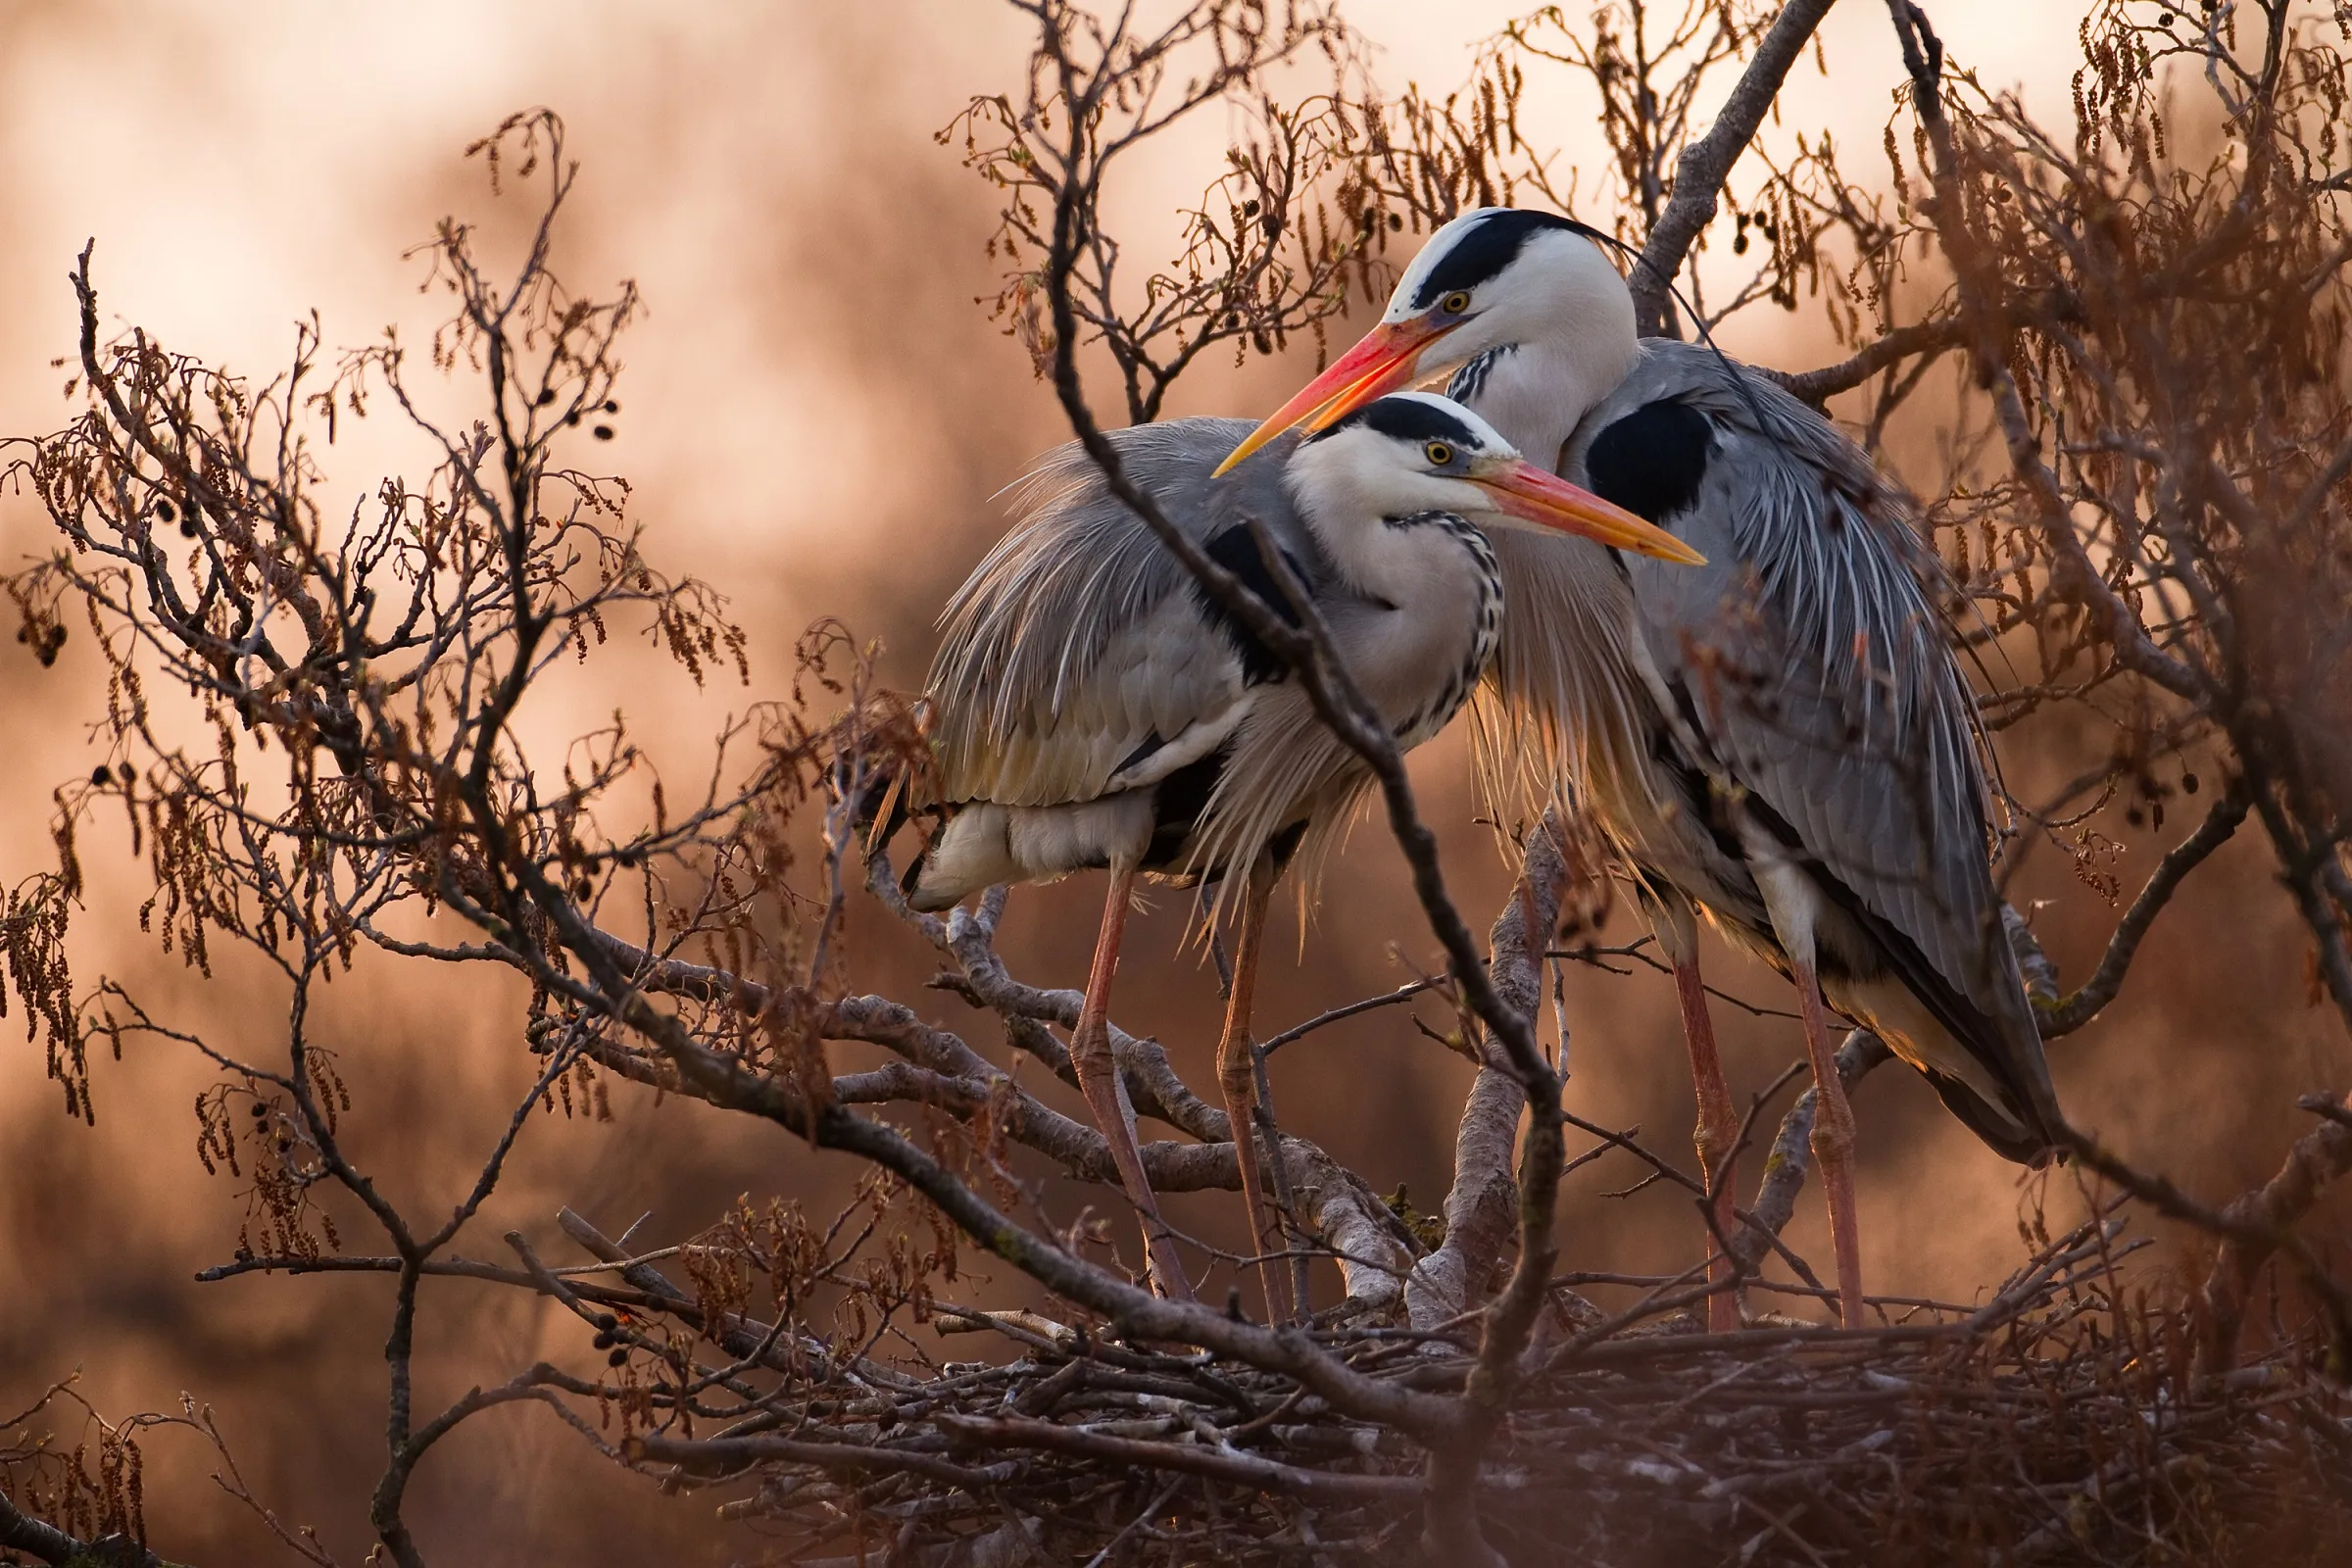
pixel 1410 419
pixel 1489 246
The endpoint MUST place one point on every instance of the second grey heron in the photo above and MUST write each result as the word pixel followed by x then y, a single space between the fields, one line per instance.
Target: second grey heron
pixel 1092 708
pixel 1782 740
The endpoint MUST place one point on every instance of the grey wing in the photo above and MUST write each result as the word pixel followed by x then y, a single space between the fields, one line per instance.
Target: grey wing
pixel 1811 660
pixel 1078 659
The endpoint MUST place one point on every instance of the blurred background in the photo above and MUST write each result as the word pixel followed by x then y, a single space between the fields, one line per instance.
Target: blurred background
pixel 817 415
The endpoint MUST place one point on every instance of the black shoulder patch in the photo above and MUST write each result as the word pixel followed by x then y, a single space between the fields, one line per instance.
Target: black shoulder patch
pixel 1237 551
pixel 1408 419
pixel 1489 245
pixel 1652 461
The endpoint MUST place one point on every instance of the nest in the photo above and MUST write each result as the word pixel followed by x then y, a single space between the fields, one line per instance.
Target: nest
pixel 2067 1427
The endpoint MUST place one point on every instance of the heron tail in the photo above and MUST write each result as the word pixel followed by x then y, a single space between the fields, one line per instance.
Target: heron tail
pixel 2014 1130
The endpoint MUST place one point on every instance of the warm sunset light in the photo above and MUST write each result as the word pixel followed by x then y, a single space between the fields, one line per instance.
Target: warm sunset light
pixel 975 782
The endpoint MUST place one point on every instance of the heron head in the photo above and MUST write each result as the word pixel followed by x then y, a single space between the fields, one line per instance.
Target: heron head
pixel 1415 452
pixel 1498 277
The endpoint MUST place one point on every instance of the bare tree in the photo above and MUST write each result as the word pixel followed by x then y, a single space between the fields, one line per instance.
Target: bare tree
pixel 310 720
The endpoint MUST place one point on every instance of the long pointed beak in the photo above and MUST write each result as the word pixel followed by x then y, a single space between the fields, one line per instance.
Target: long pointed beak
pixel 1382 360
pixel 1522 490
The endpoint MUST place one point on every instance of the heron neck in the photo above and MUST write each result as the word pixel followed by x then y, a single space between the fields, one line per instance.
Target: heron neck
pixel 1370 559
pixel 1535 393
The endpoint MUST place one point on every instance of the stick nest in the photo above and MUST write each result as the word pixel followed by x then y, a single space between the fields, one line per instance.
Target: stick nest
pixel 2074 1429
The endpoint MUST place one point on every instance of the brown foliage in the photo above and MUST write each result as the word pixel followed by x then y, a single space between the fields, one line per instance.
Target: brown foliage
pixel 310 720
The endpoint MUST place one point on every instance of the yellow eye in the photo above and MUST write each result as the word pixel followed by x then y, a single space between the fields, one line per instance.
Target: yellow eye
pixel 1438 454
pixel 1456 303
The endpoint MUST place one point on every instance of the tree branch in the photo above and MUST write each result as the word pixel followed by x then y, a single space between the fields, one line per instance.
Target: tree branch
pixel 2318 1158
pixel 1476 1211
pixel 1218 1465
pixel 1482 1203
pixel 1703 166
pixel 2079 1007
pixel 21 1531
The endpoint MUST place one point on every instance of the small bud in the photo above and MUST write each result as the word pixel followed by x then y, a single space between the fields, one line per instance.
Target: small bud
pixel 2188 783
pixel 603 1341
pixel 611 407
pixel 102 775
pixel 163 509
pixel 546 397
pixel 260 1110
pixel 605 1321
pixel 603 432
pixel 620 1357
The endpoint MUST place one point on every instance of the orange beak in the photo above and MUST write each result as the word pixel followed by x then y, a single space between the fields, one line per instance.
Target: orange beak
pixel 1386 359
pixel 1523 491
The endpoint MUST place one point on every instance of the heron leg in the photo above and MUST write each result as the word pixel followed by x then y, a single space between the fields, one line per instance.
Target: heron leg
pixel 1832 1144
pixel 1718 1132
pixel 1237 1077
pixel 1097 1073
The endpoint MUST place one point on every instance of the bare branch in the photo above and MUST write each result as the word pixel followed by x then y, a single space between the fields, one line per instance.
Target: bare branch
pixel 2079 1007
pixel 2319 1156
pixel 1699 174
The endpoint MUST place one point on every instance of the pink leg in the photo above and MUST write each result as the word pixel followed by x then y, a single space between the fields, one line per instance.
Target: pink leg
pixel 1098 1079
pixel 1718 1131
pixel 1833 1145
pixel 1237 1079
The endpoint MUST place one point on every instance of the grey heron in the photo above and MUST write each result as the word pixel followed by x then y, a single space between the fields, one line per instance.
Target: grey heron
pixel 1782 740
pixel 1092 708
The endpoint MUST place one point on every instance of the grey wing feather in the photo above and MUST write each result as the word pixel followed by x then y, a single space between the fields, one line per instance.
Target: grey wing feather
pixel 1810 655
pixel 1076 659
